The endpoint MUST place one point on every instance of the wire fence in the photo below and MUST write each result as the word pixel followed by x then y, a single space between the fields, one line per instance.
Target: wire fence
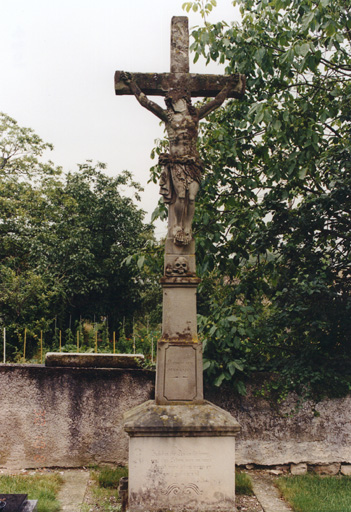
pixel 30 346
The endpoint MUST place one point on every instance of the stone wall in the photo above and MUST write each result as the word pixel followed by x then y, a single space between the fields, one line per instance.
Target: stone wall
pixel 70 417
pixel 271 435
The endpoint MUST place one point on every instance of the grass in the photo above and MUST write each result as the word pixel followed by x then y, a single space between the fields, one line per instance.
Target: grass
pixel 312 493
pixel 109 477
pixel 243 484
pixel 43 488
pixel 104 492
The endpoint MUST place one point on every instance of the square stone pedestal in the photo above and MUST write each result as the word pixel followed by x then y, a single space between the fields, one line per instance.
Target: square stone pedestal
pixel 181 458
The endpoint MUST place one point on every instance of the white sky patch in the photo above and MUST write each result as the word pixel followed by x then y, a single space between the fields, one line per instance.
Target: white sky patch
pixel 58 62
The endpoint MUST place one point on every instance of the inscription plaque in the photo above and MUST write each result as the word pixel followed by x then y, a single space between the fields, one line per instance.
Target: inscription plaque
pixel 179 373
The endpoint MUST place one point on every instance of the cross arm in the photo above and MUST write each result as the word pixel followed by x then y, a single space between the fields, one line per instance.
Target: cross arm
pixel 159 84
pixel 152 84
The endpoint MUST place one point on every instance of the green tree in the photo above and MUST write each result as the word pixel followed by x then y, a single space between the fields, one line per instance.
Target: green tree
pixel 20 150
pixel 64 239
pixel 273 216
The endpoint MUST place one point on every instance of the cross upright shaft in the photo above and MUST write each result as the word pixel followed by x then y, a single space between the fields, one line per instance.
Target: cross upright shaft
pixel 197 85
pixel 179 45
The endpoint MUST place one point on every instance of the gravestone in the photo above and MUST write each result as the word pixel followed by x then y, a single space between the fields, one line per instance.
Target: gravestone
pixel 17 503
pixel 181 448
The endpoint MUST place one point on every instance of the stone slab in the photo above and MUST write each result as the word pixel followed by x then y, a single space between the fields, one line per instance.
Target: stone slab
pixel 179 376
pixel 17 503
pixel 267 494
pixel 72 492
pixel 14 502
pixel 30 506
pixel 89 360
pixel 150 419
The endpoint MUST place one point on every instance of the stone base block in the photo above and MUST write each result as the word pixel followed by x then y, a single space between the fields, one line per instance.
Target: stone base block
pixel 181 457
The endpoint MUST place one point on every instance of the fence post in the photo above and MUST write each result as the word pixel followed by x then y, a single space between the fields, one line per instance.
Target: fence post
pixel 152 349
pixel 41 347
pixel 133 337
pixel 24 344
pixel 4 358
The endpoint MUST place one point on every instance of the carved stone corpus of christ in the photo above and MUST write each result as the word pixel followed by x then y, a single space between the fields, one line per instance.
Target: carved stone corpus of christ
pixel 181 167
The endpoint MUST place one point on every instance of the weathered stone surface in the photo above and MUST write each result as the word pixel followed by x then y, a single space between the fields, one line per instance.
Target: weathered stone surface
pixel 71 417
pixel 151 419
pixel 167 472
pixel 67 417
pixel 345 469
pixel 273 435
pixel 157 84
pixel 179 376
pixel 182 167
pixel 298 469
pixel 327 469
pixel 275 472
pixel 179 310
pixel 181 455
pixel 179 45
pixel 29 506
pixel 81 360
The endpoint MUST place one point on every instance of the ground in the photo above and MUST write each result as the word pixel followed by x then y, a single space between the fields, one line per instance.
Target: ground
pixel 247 504
pixel 110 504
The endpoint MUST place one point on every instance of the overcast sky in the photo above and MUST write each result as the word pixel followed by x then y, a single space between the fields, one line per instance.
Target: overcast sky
pixel 58 59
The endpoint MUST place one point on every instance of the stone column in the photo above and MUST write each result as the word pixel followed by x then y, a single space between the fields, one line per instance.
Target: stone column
pixel 179 353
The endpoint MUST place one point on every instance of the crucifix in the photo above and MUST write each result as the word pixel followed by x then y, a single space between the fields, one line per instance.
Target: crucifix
pixel 179 357
pixel 182 168
pixel 181 448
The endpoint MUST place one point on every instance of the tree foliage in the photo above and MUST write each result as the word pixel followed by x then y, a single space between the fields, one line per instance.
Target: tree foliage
pixel 64 239
pixel 273 216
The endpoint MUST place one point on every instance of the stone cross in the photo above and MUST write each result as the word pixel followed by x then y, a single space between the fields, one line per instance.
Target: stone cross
pixel 182 167
pixel 181 448
pixel 179 358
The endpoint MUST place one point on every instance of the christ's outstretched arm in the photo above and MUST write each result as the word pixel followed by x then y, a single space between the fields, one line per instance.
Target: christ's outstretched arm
pixel 215 103
pixel 142 98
